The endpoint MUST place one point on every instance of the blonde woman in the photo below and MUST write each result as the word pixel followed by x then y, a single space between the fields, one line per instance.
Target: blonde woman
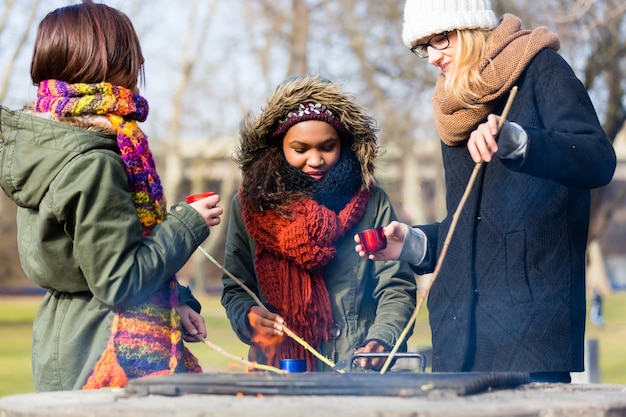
pixel 510 295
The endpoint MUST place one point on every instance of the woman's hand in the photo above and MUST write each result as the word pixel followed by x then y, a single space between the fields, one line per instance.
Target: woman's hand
pixel 192 323
pixel 482 143
pixel 264 323
pixel 394 232
pixel 208 209
pixel 372 363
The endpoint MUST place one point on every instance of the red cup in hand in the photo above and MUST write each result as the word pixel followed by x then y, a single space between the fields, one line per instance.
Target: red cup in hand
pixel 373 240
pixel 195 197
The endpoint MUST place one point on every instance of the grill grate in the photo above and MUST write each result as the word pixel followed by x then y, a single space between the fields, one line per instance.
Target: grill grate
pixel 400 384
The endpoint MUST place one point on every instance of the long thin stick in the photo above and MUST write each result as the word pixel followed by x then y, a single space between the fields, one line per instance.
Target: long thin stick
pixel 234 278
pixel 248 364
pixel 446 243
pixel 256 299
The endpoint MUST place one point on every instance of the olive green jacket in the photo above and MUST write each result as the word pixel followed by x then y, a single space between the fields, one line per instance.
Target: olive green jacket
pixel 370 300
pixel 80 238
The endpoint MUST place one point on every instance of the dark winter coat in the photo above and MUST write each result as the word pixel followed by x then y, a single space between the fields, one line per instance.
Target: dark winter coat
pixel 510 295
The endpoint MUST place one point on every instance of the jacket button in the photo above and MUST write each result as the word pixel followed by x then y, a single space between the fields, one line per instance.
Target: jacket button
pixel 178 208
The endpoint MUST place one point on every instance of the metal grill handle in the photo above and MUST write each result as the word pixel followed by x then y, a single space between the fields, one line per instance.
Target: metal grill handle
pixel 415 355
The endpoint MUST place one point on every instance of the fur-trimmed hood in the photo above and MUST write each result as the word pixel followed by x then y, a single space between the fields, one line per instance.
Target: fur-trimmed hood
pixel 256 130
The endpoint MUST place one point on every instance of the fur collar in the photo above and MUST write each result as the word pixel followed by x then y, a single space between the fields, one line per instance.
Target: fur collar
pixel 92 122
pixel 256 130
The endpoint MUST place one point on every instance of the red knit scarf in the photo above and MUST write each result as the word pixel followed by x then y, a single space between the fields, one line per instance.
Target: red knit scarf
pixel 291 252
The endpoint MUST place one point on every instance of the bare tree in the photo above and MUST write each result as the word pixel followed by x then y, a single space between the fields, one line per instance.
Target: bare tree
pixel 19 45
pixel 299 38
pixel 355 42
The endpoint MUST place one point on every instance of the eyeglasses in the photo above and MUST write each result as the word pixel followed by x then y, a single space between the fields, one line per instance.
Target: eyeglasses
pixel 438 42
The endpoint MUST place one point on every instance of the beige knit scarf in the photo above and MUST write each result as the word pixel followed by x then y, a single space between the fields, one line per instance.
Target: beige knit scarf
pixel 508 53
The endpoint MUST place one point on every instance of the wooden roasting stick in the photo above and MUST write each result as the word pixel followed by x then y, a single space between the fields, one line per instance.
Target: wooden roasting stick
pixel 248 364
pixel 256 299
pixel 446 243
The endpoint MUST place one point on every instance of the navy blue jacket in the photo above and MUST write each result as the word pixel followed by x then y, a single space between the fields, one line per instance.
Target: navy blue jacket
pixel 510 295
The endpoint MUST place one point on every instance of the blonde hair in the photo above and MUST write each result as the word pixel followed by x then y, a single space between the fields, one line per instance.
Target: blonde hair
pixel 464 82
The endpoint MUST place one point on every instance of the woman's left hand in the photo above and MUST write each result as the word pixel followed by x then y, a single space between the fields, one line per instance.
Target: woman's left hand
pixel 482 143
pixel 394 233
pixel 192 323
pixel 372 363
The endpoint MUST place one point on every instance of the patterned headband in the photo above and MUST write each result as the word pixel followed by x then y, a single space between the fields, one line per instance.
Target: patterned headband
pixel 310 111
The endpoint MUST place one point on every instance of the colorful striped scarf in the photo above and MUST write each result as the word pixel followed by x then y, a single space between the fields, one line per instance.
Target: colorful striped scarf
pixel 146 338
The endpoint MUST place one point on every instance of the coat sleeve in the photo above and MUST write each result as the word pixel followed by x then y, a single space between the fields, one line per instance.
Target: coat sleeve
pixel 120 265
pixel 429 262
pixel 566 142
pixel 185 296
pixel 239 261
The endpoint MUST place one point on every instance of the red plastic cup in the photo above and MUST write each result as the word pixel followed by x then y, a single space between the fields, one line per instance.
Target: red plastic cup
pixel 195 197
pixel 373 240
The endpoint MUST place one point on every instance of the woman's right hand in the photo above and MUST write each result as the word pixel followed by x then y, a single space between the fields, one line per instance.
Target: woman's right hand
pixel 394 232
pixel 265 323
pixel 482 143
pixel 208 209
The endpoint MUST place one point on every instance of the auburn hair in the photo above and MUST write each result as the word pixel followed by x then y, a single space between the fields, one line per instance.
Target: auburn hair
pixel 87 43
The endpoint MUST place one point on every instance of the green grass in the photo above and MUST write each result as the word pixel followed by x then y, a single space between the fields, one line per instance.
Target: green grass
pixel 17 313
pixel 16 317
pixel 612 356
pixel 221 334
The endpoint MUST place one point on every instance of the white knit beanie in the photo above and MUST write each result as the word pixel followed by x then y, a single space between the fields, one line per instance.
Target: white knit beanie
pixel 423 18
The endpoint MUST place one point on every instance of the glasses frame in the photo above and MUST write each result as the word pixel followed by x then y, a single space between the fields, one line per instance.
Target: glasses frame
pixel 421 49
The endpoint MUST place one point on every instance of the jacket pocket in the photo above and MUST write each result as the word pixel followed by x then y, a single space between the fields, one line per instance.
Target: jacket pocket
pixel 516 268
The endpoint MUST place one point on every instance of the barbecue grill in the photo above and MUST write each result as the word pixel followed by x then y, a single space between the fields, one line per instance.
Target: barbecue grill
pixel 400 384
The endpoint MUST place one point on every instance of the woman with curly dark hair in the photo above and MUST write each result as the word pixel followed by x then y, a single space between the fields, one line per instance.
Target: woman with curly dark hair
pixel 308 185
